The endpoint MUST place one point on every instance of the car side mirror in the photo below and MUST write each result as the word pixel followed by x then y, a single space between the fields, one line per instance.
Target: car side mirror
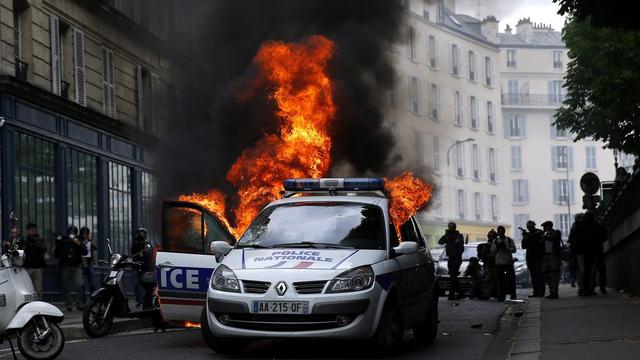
pixel 220 249
pixel 406 248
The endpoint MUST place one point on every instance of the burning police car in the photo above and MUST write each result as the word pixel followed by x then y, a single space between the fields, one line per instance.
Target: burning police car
pixel 323 262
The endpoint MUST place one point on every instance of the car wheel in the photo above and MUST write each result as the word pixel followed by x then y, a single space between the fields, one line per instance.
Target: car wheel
pixel 428 330
pixel 389 335
pixel 217 344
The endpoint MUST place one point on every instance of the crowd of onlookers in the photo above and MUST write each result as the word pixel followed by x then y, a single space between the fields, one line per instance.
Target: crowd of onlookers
pixel 492 272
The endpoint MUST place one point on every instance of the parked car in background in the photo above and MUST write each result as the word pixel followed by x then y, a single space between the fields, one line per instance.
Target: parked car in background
pixel 436 253
pixel 470 250
pixel 523 279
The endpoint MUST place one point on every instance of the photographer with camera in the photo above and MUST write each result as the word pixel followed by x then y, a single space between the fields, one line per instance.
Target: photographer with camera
pixel 552 241
pixel 69 249
pixel 454 247
pixel 532 242
pixel 502 249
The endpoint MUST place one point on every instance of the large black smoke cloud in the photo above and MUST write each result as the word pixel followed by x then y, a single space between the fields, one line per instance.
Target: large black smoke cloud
pixel 208 129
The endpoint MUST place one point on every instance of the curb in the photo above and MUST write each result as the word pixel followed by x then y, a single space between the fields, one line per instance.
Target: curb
pixel 527 338
pixel 76 331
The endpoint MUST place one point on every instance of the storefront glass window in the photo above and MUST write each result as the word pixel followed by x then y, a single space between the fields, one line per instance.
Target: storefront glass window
pixel 35 186
pixel 147 211
pixel 120 207
pixel 82 190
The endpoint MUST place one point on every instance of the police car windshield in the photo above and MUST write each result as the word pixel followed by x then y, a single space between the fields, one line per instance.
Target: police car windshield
pixel 315 224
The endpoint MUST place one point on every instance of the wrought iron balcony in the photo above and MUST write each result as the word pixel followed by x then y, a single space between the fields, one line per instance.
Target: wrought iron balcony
pixel 533 99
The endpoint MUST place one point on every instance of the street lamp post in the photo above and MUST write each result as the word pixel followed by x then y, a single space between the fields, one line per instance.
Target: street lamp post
pixel 458 142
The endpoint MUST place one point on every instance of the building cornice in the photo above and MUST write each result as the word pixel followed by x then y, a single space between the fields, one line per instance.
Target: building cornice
pixel 452 31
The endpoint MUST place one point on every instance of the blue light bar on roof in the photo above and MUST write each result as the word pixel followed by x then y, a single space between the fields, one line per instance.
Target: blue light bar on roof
pixel 344 184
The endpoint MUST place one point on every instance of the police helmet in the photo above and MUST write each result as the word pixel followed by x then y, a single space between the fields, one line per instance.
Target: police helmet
pixel 72 230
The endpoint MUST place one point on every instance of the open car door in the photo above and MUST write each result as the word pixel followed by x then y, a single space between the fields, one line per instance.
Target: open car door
pixel 184 265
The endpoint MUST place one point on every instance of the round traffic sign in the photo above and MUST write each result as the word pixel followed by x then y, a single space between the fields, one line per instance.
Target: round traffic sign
pixel 590 183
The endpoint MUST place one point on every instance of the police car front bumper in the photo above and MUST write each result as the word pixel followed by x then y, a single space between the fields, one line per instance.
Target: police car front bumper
pixel 340 316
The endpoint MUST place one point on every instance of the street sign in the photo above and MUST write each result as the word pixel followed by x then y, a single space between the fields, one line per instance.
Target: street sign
pixel 590 183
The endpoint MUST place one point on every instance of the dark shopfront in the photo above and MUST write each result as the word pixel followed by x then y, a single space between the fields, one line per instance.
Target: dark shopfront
pixel 57 171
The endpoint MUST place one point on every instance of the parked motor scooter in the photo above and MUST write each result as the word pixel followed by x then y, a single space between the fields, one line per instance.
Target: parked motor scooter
pixel 33 323
pixel 111 300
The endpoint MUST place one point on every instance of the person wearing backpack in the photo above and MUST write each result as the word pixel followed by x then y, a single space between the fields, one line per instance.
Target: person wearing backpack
pixel 69 250
pixel 454 247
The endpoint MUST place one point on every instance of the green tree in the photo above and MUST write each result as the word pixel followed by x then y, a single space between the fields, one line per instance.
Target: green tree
pixel 603 85
pixel 603 13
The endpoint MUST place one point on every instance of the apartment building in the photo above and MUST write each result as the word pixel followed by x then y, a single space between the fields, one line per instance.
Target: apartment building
pixel 447 109
pixel 545 164
pixel 84 88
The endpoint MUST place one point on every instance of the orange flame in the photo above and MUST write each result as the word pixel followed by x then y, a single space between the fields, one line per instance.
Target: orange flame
pixel 302 90
pixel 409 194
pixel 213 201
pixel 189 324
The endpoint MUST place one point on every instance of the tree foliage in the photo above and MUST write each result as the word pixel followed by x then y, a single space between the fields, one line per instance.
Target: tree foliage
pixel 603 13
pixel 603 85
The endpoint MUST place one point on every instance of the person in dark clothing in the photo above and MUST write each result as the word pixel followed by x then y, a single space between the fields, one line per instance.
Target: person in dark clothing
pixel 14 235
pixel 595 236
pixel 70 250
pixel 532 242
pixel 140 252
pixel 503 248
pixel 551 264
pixel 489 266
pixel 88 272
pixel 34 250
pixel 474 271
pixel 577 239
pixel 454 247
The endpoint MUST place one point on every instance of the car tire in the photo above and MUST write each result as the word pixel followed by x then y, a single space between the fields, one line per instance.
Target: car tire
pixel 217 344
pixel 388 337
pixel 427 331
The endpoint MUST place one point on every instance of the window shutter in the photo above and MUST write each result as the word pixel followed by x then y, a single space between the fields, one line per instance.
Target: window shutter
pixel 526 191
pixel 438 109
pixel 523 123
pixel 56 58
pixel 550 92
pixel 554 157
pixel 497 162
pixel 556 191
pixel 491 72
pixel 570 157
pixel 156 95
pixel 554 133
pixel 507 133
pixel 572 192
pixel 556 221
pixel 514 190
pixel 78 66
pixel 435 47
pixel 451 58
pixel 108 83
pixel 140 87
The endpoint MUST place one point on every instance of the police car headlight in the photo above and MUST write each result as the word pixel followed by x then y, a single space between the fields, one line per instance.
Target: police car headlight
pixel 357 279
pixel 224 279
pixel 115 258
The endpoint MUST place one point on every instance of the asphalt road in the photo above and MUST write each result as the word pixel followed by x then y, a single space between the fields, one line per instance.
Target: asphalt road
pixel 466 332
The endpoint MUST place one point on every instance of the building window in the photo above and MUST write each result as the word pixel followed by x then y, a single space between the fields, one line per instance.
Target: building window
pixel 474 112
pixel 478 205
pixel 490 118
pixel 60 54
pixel 82 190
pixel 412 43
pixel 78 67
pixel 475 154
pixel 511 58
pixel 433 52
pixel 419 143
pixel 108 83
pixel 120 207
pixel 558 133
pixel 519 221
pixel 488 69
pixel 147 215
pixel 472 66
pixel 460 160
pixel 493 165
pixel 591 157
pixel 457 108
pixel 563 191
pixel 455 60
pixel 434 102
pixel 149 100
pixel 438 204
pixel 462 204
pixel 436 154
pixel 35 183
pixel 515 126
pixel 414 96
pixel 563 223
pixel 556 93
pixel 516 158
pixel 520 191
pixel 557 59
pixel 494 208
pixel 512 87
pixel 561 157
pixel 20 18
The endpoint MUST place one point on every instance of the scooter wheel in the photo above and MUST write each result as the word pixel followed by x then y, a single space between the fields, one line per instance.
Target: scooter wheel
pixel 95 321
pixel 33 348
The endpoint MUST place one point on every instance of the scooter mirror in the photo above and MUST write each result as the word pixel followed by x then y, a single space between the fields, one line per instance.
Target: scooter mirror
pixel 220 249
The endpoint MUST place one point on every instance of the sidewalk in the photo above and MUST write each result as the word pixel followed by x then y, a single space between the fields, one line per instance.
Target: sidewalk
pixel 72 324
pixel 573 327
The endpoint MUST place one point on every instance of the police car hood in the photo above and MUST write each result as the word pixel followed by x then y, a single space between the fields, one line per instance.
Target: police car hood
pixel 302 258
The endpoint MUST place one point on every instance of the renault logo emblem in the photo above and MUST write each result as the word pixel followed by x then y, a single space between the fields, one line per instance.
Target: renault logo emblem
pixel 281 288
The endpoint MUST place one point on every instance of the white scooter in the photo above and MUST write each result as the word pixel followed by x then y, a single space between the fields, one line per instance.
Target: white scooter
pixel 33 323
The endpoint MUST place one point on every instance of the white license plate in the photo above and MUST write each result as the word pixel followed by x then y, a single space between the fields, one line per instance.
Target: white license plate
pixel 280 307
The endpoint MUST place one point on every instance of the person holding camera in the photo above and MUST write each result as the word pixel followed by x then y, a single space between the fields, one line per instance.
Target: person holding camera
pixel 502 249
pixel 488 265
pixel 70 250
pixel 34 250
pixel 453 243
pixel 532 242
pixel 551 264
